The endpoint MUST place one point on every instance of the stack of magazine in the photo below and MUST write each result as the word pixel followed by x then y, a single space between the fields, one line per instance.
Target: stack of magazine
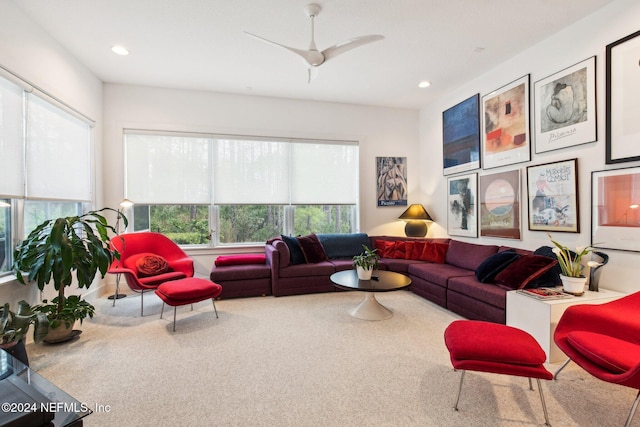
pixel 545 293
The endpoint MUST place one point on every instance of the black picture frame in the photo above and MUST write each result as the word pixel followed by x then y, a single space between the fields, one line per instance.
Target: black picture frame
pixel 622 119
pixel 461 136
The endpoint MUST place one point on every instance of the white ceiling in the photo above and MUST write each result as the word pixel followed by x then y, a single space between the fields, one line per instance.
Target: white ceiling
pixel 200 44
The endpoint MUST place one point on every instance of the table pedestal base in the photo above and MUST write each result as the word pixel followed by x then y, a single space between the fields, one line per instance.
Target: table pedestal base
pixel 371 309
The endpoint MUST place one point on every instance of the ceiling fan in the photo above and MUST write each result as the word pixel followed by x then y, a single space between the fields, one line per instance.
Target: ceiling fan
pixel 314 58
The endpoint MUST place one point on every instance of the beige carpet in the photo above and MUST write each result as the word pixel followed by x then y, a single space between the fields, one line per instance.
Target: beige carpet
pixel 300 361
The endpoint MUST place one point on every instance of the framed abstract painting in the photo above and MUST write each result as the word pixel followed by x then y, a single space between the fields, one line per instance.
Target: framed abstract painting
pixel 500 205
pixel 552 192
pixel 565 107
pixel 623 102
pixel 391 182
pixel 615 209
pixel 506 135
pixel 462 206
pixel 461 136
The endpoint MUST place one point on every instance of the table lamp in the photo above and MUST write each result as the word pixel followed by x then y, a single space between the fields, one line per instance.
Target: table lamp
pixel 415 216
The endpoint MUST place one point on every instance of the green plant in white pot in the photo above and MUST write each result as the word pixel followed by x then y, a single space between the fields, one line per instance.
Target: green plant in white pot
pixel 366 262
pixel 57 252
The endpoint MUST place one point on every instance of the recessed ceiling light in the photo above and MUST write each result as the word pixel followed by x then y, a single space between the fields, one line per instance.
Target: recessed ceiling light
pixel 423 84
pixel 120 50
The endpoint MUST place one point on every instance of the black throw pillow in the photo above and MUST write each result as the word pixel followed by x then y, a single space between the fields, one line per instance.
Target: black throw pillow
pixel 552 277
pixel 296 255
pixel 490 267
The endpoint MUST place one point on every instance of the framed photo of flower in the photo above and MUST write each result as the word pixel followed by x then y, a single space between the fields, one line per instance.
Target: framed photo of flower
pixel 552 193
pixel 623 108
pixel 500 205
pixel 615 209
pixel 461 136
pixel 506 135
pixel 462 206
pixel 565 107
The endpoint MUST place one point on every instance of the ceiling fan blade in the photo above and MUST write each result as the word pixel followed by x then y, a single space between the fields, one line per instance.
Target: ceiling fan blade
pixel 312 74
pixel 311 57
pixel 340 48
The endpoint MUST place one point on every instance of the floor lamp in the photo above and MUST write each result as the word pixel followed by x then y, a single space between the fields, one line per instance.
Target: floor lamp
pixel 125 204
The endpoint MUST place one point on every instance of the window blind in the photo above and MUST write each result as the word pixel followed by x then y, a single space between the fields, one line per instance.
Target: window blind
pixel 11 149
pixel 58 153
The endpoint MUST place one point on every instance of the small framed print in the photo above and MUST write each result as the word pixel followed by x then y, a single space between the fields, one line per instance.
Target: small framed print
pixel 623 102
pixel 552 192
pixel 391 181
pixel 500 205
pixel 615 209
pixel 461 136
pixel 505 126
pixel 462 206
pixel 565 107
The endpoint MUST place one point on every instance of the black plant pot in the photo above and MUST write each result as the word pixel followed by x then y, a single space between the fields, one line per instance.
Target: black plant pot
pixel 18 351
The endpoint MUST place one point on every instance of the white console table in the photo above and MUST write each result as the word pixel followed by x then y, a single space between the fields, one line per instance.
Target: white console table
pixel 540 317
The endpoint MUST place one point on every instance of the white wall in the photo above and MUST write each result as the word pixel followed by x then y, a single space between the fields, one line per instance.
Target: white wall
pixel 584 39
pixel 381 132
pixel 26 50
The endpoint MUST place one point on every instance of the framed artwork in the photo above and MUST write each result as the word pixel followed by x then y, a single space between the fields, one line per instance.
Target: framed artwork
pixel 552 192
pixel 623 102
pixel 505 126
pixel 500 205
pixel 461 136
pixel 615 209
pixel 462 211
pixel 565 107
pixel 391 181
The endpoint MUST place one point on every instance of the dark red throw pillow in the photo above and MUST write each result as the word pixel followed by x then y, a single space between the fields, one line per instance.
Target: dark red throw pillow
pixel 151 265
pixel 434 252
pixel 385 248
pixel 312 248
pixel 524 270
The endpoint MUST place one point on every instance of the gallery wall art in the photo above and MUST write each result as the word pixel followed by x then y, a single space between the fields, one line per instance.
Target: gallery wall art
pixel 506 129
pixel 500 205
pixel 565 107
pixel 462 209
pixel 623 111
pixel 615 209
pixel 461 136
pixel 391 181
pixel 552 192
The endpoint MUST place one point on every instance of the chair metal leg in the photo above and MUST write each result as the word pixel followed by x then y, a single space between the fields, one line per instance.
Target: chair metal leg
pixel 633 410
pixel 566 362
pixel 142 303
pixel 162 309
pixel 459 390
pixel 174 318
pixel 544 405
pixel 530 384
pixel 214 307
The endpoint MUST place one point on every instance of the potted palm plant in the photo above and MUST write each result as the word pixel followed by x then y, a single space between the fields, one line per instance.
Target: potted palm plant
pixel 57 252
pixel 366 262
pixel 14 326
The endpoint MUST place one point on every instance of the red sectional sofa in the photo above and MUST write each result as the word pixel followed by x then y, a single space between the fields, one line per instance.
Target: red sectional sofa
pixel 467 278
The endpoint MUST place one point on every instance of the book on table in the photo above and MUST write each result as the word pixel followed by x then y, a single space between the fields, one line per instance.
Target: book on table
pixel 545 293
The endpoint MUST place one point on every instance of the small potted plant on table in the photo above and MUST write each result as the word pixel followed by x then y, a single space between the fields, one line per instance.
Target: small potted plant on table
pixel 365 263
pixel 14 327
pixel 59 251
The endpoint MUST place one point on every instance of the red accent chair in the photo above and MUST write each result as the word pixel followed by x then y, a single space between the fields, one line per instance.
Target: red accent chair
pixel 604 340
pixel 500 349
pixel 134 246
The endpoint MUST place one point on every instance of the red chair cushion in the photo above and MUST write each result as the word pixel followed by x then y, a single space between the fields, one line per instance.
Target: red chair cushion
pixel 492 342
pixel 151 265
pixel 226 260
pixel 612 354
pixel 190 289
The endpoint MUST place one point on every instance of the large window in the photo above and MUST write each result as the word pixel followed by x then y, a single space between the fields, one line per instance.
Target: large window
pixel 46 163
pixel 222 190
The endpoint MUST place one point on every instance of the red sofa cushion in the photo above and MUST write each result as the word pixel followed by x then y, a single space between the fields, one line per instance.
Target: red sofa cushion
pixel 615 355
pixel 434 252
pixel 226 260
pixel 385 248
pixel 524 270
